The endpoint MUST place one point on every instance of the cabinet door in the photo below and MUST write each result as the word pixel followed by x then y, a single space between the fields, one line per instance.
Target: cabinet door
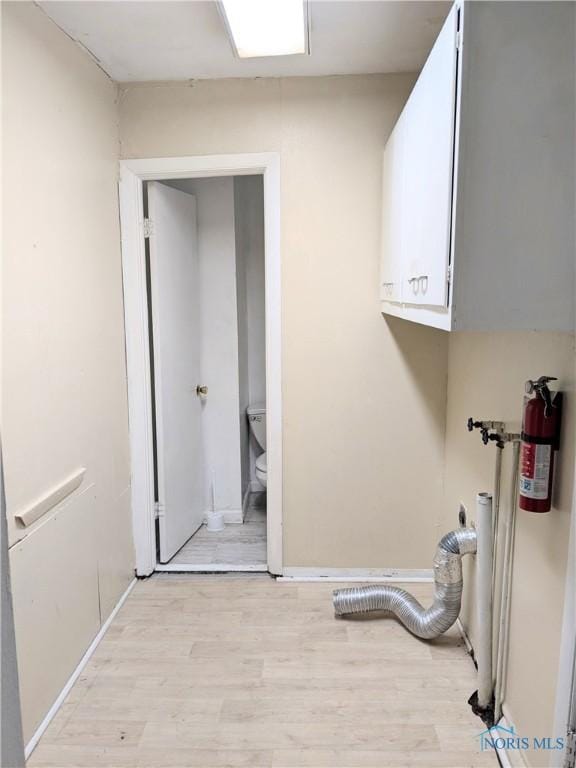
pixel 426 204
pixel 391 255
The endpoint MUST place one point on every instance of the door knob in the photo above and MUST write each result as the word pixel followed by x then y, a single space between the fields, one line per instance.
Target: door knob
pixel 201 390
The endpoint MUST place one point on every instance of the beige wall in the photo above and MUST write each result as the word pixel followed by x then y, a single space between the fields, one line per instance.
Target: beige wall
pixel 63 372
pixel 364 398
pixel 486 379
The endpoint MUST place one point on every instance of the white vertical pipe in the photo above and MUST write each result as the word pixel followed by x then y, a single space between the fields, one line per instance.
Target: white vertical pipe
pixel 496 511
pixel 484 560
pixel 503 624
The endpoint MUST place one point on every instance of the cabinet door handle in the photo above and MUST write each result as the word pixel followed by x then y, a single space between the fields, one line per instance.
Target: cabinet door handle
pixel 418 283
pixel 388 288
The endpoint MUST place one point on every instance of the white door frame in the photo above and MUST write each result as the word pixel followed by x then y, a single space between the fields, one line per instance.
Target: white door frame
pixel 132 175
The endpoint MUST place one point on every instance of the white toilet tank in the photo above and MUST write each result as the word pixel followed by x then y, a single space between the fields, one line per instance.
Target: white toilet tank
pixel 257 420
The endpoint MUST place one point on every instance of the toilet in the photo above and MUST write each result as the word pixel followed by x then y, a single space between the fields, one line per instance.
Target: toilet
pixel 257 421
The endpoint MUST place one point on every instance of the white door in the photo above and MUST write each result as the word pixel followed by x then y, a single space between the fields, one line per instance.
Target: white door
pixel 176 334
pixel 427 173
pixel 391 248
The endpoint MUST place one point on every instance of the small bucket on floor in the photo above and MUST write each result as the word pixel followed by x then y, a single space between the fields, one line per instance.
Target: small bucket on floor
pixel 215 521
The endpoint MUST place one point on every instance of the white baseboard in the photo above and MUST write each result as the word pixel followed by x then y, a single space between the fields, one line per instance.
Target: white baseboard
pixel 74 676
pixel 210 568
pixel 510 758
pixel 231 516
pixel 356 574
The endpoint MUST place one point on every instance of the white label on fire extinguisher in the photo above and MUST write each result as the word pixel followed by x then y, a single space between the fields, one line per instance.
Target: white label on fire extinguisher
pixel 535 470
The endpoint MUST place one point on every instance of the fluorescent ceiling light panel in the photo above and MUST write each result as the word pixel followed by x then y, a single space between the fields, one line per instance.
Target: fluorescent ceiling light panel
pixel 267 27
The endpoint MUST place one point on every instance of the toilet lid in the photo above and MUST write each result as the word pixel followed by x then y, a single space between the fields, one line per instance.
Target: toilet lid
pixel 261 463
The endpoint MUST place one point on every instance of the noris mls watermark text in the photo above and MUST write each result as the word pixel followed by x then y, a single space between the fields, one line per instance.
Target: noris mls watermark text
pixel 501 737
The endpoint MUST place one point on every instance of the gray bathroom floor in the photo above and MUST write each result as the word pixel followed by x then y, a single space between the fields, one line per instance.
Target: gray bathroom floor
pixel 236 545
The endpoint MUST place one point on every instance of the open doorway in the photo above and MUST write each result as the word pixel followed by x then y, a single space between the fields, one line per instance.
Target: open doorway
pixel 201 264
pixel 206 298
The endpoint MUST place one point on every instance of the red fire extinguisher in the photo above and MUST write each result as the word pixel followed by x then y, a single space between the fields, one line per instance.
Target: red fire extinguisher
pixel 540 440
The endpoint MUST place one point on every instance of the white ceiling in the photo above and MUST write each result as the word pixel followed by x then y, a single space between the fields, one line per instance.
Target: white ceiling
pixel 148 40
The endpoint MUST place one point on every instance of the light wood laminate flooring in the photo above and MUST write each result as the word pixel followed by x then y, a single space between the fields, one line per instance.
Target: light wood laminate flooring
pixel 214 671
pixel 237 545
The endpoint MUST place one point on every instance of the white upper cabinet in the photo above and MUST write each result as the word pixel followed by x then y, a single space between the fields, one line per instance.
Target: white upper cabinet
pixel 478 195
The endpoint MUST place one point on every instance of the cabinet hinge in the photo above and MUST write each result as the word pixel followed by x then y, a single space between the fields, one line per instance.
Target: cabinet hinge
pixel 449 274
pixel 148 227
pixel 570 754
pixel 158 509
pixel 458 39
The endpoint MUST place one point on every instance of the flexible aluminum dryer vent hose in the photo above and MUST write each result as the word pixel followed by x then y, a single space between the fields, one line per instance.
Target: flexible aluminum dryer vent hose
pixel 422 622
